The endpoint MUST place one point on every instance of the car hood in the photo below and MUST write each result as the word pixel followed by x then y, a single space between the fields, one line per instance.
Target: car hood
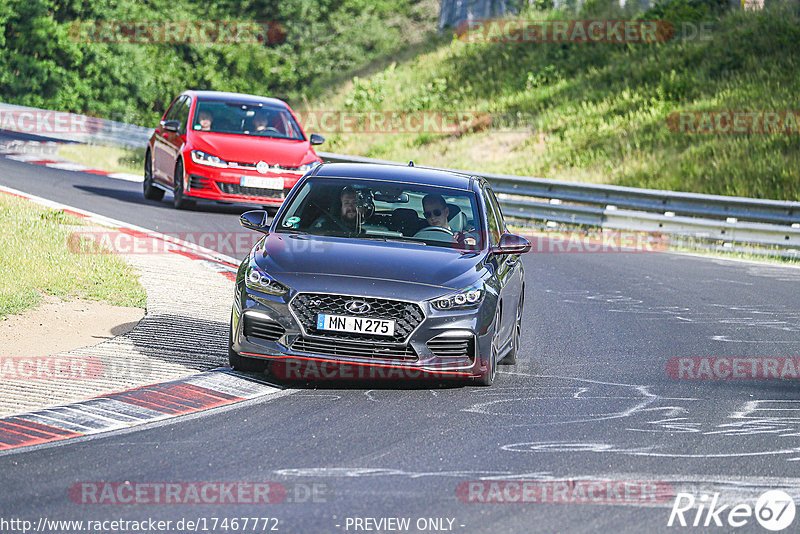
pixel 247 149
pixel 392 270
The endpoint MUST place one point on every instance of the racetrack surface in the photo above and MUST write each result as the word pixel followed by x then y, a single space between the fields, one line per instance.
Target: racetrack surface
pixel 591 399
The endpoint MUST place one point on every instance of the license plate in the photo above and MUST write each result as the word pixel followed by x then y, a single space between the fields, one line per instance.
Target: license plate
pixel 262 182
pixel 357 325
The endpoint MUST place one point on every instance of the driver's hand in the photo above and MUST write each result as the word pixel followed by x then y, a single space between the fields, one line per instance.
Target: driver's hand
pixel 464 238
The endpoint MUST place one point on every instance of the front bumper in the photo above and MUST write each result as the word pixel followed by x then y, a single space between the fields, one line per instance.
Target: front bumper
pixel 445 345
pixel 210 183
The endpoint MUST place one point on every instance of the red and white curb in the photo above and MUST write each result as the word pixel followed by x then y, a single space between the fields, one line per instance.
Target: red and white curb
pixel 10 152
pixel 114 411
pixel 138 406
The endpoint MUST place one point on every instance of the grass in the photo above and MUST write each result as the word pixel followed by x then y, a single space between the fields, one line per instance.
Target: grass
pixel 105 158
pixel 597 112
pixel 36 259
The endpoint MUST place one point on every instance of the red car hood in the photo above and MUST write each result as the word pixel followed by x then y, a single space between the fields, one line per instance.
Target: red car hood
pixel 247 149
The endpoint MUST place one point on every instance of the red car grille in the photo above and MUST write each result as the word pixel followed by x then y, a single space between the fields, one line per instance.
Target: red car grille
pixel 236 189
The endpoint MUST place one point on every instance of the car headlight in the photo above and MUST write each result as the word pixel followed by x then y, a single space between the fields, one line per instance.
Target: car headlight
pixel 469 297
pixel 198 156
pixel 308 166
pixel 258 280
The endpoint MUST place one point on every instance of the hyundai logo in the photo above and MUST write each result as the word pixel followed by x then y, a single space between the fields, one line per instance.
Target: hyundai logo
pixel 357 306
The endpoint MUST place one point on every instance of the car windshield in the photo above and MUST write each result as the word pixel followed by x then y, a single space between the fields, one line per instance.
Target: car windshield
pixel 381 210
pixel 246 118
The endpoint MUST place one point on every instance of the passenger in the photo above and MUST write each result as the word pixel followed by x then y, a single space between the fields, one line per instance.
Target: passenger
pixel 437 214
pixel 205 119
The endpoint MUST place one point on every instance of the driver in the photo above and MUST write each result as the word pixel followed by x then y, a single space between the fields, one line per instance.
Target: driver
pixel 348 215
pixel 436 211
pixel 260 122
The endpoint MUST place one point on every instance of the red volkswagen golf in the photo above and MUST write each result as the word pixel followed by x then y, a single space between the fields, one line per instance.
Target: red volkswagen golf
pixel 227 147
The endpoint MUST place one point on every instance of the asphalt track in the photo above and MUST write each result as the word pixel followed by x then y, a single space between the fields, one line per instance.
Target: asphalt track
pixel 591 399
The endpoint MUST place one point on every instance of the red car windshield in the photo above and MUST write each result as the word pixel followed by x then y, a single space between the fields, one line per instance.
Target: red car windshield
pixel 259 119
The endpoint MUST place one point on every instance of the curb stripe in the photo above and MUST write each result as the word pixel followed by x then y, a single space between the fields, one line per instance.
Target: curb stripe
pixel 133 407
pixel 16 432
pixel 175 398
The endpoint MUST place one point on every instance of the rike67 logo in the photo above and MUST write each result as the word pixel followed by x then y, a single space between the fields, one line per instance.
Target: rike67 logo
pixel 774 510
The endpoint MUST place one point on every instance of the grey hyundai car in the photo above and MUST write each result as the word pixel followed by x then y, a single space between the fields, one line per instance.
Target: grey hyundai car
pixel 406 270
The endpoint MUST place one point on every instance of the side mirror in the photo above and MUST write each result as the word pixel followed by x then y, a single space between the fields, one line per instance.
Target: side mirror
pixel 171 126
pixel 511 244
pixel 316 139
pixel 257 220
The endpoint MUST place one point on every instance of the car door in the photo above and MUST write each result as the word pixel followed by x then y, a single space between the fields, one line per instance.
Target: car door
pixel 507 265
pixel 162 163
pixel 174 141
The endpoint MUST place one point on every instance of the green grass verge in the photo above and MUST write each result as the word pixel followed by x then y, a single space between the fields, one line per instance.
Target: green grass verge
pixel 105 158
pixel 597 112
pixel 36 259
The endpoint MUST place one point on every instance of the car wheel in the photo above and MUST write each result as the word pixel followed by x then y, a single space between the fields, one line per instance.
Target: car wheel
pixel 491 371
pixel 239 362
pixel 151 192
pixel 179 199
pixel 511 357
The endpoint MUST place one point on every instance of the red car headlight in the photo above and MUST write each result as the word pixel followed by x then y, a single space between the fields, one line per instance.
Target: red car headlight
pixel 198 156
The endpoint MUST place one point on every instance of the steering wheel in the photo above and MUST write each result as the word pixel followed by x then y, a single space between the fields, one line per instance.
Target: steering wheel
pixel 435 229
pixel 270 129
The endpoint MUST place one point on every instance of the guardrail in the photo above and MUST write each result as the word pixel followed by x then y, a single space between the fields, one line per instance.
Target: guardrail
pixel 709 217
pixel 65 126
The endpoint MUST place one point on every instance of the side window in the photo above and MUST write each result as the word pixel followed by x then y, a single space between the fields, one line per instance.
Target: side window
pixel 183 114
pixel 497 211
pixel 494 227
pixel 172 112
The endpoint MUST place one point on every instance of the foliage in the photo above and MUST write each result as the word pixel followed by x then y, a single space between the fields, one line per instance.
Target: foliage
pixel 597 112
pixel 45 61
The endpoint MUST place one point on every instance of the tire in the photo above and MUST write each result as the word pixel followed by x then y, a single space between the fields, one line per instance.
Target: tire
pixel 239 362
pixel 179 200
pixel 511 357
pixel 151 192
pixel 488 378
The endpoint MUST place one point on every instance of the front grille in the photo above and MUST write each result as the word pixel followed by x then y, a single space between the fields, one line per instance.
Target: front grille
pixel 236 189
pixel 262 328
pixel 407 315
pixel 329 347
pixel 444 346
